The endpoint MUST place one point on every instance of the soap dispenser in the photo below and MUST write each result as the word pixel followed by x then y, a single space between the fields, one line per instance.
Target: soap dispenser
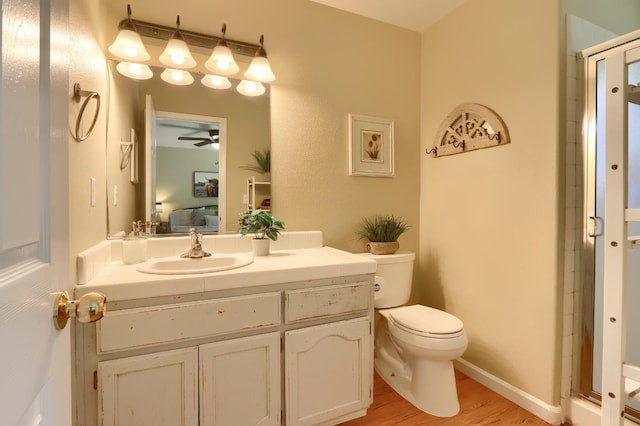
pixel 134 245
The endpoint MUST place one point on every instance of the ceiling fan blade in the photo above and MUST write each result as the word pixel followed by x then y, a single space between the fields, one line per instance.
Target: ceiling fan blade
pixel 189 138
pixel 203 143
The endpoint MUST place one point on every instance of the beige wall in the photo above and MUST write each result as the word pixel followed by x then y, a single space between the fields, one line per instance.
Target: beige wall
pixel 331 64
pixel 87 225
pixel 490 219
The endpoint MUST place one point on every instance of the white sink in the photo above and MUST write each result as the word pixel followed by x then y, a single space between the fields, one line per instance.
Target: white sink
pixel 178 265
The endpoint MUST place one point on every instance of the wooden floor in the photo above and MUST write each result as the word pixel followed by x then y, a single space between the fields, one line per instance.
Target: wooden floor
pixel 479 406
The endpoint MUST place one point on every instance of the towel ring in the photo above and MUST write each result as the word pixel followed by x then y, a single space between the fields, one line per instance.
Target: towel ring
pixel 77 96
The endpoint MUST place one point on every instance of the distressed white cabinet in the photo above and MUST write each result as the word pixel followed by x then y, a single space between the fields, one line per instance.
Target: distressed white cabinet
pixel 239 384
pixel 240 381
pixel 327 371
pixel 228 357
pixel 155 389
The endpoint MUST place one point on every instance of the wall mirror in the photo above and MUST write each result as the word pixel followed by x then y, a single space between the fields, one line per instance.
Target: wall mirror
pixel 186 121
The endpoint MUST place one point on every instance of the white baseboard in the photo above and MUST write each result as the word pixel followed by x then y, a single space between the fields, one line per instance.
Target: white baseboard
pixel 549 413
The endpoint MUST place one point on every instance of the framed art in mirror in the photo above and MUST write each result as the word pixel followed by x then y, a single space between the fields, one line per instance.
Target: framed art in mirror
pixel 205 184
pixel 370 146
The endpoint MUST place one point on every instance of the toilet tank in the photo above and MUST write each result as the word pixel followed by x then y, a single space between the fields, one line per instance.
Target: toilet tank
pixel 394 273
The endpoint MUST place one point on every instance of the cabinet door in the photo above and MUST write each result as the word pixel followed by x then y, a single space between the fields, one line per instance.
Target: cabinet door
pixel 328 372
pixel 155 389
pixel 240 381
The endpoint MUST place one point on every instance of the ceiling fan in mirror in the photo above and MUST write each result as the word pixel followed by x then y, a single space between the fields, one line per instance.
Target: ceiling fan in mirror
pixel 213 138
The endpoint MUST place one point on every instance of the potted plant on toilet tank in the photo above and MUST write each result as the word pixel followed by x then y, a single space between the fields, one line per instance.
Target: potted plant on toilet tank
pixel 382 232
pixel 262 224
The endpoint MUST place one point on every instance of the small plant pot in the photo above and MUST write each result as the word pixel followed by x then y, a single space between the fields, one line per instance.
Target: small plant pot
pixel 260 246
pixel 383 247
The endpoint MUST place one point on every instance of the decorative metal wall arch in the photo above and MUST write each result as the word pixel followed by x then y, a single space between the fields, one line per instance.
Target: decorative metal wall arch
pixel 469 127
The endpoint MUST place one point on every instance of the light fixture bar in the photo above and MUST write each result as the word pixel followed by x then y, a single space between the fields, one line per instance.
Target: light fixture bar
pixel 160 32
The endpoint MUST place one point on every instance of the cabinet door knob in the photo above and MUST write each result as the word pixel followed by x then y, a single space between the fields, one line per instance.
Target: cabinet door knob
pixel 89 308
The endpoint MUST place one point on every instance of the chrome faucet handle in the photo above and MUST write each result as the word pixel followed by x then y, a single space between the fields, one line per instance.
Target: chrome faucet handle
pixel 195 252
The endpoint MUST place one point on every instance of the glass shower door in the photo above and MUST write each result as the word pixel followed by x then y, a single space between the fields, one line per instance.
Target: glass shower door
pixel 596 224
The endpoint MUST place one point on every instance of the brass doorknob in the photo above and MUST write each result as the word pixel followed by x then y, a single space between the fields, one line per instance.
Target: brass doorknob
pixel 89 308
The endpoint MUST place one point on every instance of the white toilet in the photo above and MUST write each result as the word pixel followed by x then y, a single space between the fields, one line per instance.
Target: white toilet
pixel 414 345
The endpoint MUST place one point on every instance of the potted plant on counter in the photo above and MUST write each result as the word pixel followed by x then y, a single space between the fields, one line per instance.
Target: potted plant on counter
pixel 262 224
pixel 382 232
pixel 262 163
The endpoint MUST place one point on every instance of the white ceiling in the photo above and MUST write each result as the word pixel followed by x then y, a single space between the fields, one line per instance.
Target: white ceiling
pixel 416 15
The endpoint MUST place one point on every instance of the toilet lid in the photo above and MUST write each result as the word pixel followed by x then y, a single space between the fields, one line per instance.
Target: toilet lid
pixel 423 319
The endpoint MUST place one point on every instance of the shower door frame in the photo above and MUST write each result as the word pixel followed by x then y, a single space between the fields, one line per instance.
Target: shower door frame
pixel 616 129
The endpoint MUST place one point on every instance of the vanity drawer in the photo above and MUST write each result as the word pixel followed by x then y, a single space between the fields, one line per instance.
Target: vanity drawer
pixel 154 325
pixel 321 302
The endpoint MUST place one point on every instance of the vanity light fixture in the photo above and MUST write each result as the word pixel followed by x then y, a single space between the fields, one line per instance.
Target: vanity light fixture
pixel 177 53
pixel 135 70
pixel 221 60
pixel 177 57
pixel 128 44
pixel 260 69
pixel 250 88
pixel 177 77
pixel 216 81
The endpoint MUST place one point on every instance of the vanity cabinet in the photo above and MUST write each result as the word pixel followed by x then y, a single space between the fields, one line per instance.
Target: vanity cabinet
pixel 296 354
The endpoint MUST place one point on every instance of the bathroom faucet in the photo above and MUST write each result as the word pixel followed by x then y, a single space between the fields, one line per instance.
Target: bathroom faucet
pixel 196 251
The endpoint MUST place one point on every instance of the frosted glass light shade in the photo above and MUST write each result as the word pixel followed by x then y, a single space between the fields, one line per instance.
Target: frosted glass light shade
pixel 177 55
pixel 221 61
pixel 250 88
pixel 134 70
pixel 128 45
pixel 216 81
pixel 177 77
pixel 260 70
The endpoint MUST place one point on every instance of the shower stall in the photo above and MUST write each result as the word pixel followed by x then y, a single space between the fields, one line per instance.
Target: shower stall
pixel 610 276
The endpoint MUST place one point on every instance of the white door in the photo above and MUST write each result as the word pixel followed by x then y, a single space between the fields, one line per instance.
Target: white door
pixel 34 357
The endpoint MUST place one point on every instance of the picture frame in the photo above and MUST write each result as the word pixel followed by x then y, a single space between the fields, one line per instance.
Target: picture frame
pixel 370 146
pixel 206 184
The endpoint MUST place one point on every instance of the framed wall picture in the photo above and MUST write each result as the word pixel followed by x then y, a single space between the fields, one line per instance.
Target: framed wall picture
pixel 370 146
pixel 205 184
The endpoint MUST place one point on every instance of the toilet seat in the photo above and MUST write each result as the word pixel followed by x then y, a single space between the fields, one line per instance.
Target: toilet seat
pixel 425 321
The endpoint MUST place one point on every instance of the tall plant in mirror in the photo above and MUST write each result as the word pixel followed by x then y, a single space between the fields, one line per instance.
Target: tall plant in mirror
pixel 262 163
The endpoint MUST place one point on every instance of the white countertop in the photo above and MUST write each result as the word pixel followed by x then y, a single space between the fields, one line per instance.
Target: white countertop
pixel 118 281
